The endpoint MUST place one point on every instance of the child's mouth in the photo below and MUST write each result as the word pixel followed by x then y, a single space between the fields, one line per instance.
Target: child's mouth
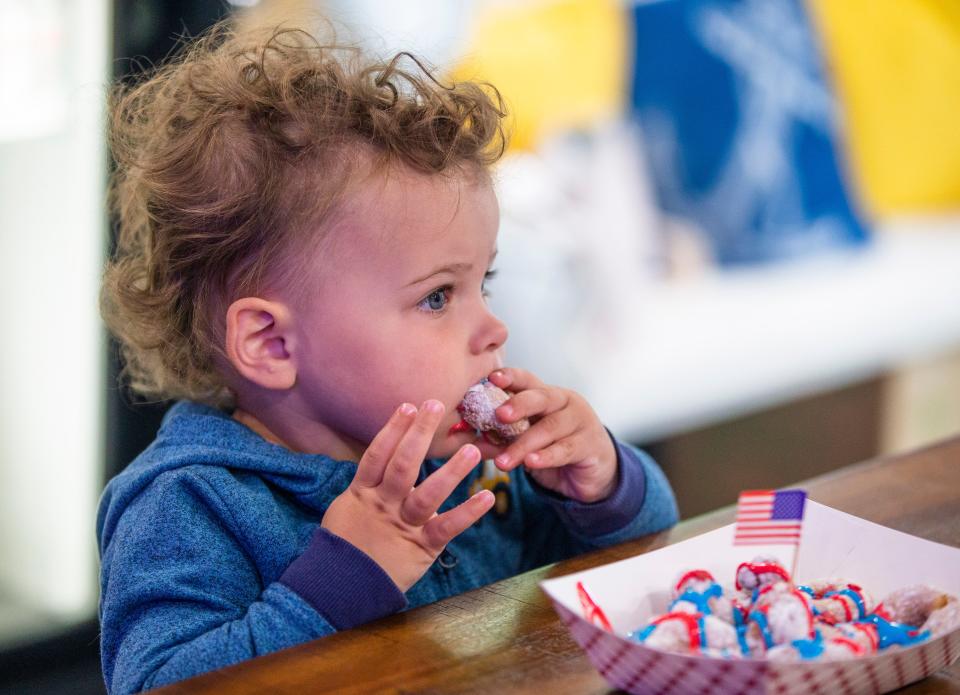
pixel 490 437
pixel 462 426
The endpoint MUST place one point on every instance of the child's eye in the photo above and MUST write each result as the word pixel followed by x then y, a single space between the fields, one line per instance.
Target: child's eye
pixel 436 301
pixel 487 277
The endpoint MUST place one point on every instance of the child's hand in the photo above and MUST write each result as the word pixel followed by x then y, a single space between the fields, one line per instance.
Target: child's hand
pixel 389 519
pixel 566 449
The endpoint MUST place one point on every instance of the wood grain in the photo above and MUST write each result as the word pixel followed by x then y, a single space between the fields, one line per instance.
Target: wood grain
pixel 505 637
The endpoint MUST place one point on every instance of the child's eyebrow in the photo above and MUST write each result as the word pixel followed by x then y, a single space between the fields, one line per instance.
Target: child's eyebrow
pixel 452 268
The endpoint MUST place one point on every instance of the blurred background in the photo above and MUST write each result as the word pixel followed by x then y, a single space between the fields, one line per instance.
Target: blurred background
pixel 733 225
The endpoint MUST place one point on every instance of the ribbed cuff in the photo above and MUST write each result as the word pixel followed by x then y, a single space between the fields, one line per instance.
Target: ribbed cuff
pixel 342 583
pixel 613 513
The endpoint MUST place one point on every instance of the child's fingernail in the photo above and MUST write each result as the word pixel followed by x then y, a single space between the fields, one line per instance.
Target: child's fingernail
pixel 432 406
pixel 471 452
pixel 502 460
pixel 485 497
pixel 533 459
pixel 407 409
pixel 497 374
pixel 506 411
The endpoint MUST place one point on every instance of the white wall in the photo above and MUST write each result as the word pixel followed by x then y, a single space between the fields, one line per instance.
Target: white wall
pixel 54 62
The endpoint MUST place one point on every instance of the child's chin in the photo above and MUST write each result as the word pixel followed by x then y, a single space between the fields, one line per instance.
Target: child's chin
pixel 445 447
pixel 451 444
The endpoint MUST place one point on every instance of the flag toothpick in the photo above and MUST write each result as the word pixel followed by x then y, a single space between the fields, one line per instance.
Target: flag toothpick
pixel 771 517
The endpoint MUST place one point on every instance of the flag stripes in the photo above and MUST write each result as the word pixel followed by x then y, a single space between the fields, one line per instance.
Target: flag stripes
pixel 769 517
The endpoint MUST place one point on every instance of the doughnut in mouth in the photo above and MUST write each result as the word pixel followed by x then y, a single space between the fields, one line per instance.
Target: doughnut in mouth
pixel 478 411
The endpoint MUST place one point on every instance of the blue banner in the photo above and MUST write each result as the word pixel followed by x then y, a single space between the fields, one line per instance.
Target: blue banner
pixel 740 126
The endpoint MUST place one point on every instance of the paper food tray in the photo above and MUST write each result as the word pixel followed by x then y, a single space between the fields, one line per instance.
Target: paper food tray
pixel 834 544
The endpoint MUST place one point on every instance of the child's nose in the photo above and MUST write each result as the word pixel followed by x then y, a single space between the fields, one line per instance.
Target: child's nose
pixel 490 336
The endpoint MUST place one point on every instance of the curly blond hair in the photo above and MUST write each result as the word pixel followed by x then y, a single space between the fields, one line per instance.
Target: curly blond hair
pixel 230 156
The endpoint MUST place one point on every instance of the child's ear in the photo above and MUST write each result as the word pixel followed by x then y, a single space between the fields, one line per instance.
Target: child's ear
pixel 259 342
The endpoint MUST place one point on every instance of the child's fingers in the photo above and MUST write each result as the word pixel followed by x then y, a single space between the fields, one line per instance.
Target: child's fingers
pixel 403 467
pixel 443 528
pixel 532 402
pixel 515 379
pixel 375 458
pixel 549 429
pixel 423 502
pixel 560 453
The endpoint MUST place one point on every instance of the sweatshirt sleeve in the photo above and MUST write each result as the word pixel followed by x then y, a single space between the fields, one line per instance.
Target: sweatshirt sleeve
pixel 181 596
pixel 342 583
pixel 642 503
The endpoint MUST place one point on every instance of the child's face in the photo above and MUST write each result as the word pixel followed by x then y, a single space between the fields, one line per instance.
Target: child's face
pixel 400 314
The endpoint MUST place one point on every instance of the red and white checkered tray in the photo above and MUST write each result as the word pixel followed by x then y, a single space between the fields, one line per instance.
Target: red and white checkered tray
pixel 834 544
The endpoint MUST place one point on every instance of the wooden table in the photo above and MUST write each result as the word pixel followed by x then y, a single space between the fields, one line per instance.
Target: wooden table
pixel 506 637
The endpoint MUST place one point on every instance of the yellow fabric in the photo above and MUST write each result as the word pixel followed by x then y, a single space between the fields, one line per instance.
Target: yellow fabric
pixel 558 64
pixel 896 67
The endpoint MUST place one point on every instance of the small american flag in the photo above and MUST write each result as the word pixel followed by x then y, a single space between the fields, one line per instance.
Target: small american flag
pixel 769 517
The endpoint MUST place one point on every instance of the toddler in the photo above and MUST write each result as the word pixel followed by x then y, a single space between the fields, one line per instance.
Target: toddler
pixel 305 236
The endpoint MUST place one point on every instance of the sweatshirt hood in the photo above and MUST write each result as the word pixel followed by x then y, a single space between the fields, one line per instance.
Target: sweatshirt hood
pixel 193 434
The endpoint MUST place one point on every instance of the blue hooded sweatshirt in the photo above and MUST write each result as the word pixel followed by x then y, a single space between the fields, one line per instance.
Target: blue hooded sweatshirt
pixel 212 553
